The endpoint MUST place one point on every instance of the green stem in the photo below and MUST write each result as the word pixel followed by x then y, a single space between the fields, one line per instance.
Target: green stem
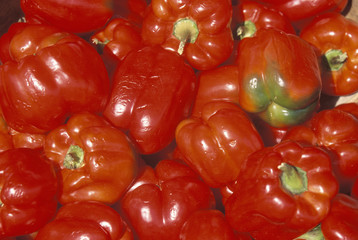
pixel 293 179
pixel 74 157
pixel 335 59
pixel 186 31
pixel 314 234
pixel 248 29
pixel 98 42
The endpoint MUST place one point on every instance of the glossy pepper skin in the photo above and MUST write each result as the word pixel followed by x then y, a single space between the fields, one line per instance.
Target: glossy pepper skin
pixel 250 16
pixel 29 188
pixel 10 138
pixel 282 89
pixel 336 37
pixel 218 84
pixel 209 224
pixel 283 191
pixel 340 223
pixel 118 38
pixel 217 143
pixel 73 16
pixel 341 140
pixel 153 90
pixel 199 30
pixel 301 12
pixel 85 220
pixel 27 140
pixel 97 161
pixel 46 76
pixel 342 220
pixel 162 198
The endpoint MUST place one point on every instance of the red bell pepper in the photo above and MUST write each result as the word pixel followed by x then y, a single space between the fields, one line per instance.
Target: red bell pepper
pixel 250 16
pixel 96 160
pixel 200 31
pixel 282 191
pixel 10 138
pixel 301 12
pixel 161 199
pixel 153 90
pixel 270 135
pixel 341 139
pixel 85 220
pixel 29 188
pixel 118 38
pixel 282 89
pixel 73 16
pixel 336 38
pixel 26 140
pixel 341 222
pixel 217 143
pixel 48 75
pixel 349 107
pixel 301 133
pixel 218 84
pixel 209 224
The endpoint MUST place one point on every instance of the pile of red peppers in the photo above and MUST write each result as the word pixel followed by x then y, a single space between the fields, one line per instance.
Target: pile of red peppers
pixel 179 120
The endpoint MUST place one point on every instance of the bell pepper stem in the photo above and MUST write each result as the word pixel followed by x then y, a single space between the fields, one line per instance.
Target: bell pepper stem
pixel 74 158
pixel 186 31
pixel 314 234
pixel 293 179
pixel 335 59
pixel 248 29
pixel 181 47
pixel 96 41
